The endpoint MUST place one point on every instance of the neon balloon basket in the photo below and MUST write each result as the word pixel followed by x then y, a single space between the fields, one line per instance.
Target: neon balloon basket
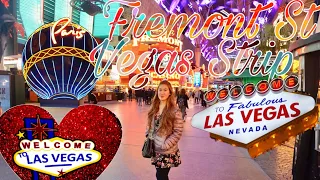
pixel 56 61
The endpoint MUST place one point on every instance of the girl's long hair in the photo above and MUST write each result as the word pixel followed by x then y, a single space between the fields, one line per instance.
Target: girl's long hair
pixel 168 116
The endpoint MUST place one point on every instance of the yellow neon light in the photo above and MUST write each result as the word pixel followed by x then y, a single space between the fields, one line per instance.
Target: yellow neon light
pixel 55 51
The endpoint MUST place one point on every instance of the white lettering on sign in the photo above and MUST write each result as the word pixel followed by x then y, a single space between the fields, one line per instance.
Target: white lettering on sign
pixel 174 76
pixel 64 22
pixel 169 40
pixel 246 119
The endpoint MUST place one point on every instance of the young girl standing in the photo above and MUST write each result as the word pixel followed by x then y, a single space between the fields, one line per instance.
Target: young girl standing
pixel 165 124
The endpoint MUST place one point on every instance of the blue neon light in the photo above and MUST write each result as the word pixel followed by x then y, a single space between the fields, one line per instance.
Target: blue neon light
pixel 65 76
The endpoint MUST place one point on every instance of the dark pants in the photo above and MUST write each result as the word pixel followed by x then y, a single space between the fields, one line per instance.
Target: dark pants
pixel 197 100
pixel 162 173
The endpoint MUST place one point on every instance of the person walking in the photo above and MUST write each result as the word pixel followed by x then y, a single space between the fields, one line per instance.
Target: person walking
pixel 190 94
pixel 139 97
pixel 130 94
pixel 165 124
pixel 202 98
pixel 197 97
pixel 182 101
pixel 144 95
pixel 92 97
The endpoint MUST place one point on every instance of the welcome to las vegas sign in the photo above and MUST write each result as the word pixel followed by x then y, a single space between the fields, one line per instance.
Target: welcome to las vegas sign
pixel 257 118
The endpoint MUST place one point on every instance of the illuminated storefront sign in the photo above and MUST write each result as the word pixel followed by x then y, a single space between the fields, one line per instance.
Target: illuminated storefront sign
pixel 197 79
pixel 173 83
pixel 174 76
pixel 247 116
pixel 164 39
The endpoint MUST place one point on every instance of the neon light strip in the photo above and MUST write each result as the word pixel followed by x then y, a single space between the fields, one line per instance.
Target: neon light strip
pixel 56 75
pixel 45 68
pixel 70 73
pixel 37 66
pixel 75 89
pixel 76 76
pixel 34 84
pixel 25 55
pixel 31 45
pixel 44 65
pixel 48 93
pixel 43 78
pixel 62 59
pixel 62 97
pixel 41 93
pixel 86 90
pixel 84 40
pixel 45 54
pixel 91 83
pixel 81 88
pixel 64 93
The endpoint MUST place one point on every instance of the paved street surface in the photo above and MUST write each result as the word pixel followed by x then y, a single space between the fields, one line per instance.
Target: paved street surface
pixel 202 157
pixel 277 163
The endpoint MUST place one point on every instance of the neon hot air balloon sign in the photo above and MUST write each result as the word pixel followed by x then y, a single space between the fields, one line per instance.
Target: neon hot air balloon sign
pixel 56 63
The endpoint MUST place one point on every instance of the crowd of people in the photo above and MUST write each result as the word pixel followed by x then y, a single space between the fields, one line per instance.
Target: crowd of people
pixel 144 96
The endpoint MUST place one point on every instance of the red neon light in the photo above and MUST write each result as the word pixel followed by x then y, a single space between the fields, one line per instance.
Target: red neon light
pixel 210 96
pixel 262 87
pixel 223 94
pixel 276 84
pixel 291 83
pixel 235 92
pixel 248 89
pixel 64 22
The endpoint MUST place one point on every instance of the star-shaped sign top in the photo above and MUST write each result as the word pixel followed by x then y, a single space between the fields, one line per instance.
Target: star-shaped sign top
pixel 39 129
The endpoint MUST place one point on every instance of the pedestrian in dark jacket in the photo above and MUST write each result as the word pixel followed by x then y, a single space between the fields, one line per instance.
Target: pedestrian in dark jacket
pixel 182 101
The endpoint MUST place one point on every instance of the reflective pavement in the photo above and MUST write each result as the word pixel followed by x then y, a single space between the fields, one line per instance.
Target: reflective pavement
pixel 202 157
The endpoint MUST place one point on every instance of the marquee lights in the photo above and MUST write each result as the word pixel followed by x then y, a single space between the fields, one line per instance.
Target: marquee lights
pixel 290 84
